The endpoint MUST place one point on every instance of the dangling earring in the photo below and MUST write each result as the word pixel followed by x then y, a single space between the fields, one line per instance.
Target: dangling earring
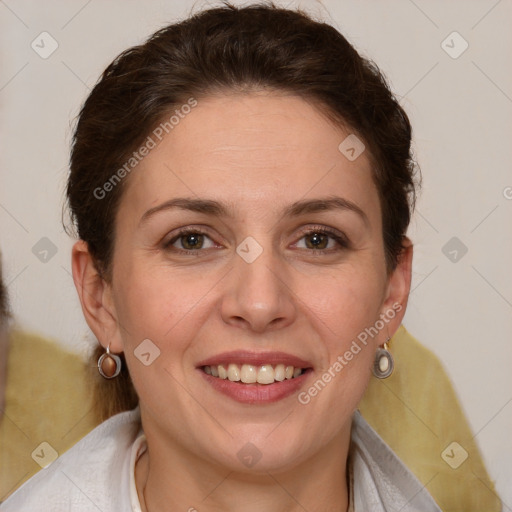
pixel 383 364
pixel 109 365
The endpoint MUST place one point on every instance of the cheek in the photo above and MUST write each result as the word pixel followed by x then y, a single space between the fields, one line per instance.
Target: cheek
pixel 156 312
pixel 167 306
pixel 346 310
pixel 345 302
pixel 155 302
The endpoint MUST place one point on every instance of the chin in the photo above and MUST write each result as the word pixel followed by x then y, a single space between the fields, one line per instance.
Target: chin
pixel 260 449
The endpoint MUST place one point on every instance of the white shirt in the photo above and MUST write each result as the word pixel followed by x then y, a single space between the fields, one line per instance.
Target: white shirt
pixel 138 448
pixel 98 473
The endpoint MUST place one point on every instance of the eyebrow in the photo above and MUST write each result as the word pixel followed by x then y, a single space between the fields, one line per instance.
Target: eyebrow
pixel 217 209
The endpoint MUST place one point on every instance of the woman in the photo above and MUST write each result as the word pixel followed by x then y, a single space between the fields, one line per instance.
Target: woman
pixel 241 186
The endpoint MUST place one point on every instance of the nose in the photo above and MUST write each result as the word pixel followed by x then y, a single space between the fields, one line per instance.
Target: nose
pixel 258 296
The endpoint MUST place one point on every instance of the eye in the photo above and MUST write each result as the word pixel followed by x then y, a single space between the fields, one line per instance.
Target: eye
pixel 323 240
pixel 189 240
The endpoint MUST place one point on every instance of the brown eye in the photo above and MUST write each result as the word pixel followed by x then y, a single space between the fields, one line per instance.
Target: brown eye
pixel 192 241
pixel 322 240
pixel 317 241
pixel 189 241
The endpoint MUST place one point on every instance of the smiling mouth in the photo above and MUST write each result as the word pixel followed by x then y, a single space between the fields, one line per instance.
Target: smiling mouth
pixel 253 374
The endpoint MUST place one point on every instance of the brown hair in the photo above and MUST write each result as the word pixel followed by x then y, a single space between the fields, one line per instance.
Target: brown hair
pixel 232 48
pixel 4 305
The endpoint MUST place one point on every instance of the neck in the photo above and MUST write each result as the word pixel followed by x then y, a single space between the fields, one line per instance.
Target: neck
pixel 317 484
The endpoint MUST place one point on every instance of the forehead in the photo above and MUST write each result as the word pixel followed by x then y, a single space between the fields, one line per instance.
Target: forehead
pixel 243 148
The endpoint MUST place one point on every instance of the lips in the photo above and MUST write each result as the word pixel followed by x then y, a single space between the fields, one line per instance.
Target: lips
pixel 255 377
pixel 241 357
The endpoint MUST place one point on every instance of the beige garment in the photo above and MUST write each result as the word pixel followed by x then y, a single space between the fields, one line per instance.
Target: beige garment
pixel 46 402
pixel 417 413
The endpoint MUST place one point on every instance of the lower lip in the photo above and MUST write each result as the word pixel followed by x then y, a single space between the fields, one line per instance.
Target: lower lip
pixel 257 393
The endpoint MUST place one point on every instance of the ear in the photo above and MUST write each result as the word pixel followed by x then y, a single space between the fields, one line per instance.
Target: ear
pixel 398 288
pixel 96 298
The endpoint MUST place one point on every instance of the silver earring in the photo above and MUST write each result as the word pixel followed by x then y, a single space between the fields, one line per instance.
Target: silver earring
pixel 109 365
pixel 383 364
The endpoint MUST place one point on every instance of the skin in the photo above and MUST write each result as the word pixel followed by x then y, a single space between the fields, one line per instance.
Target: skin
pixel 258 153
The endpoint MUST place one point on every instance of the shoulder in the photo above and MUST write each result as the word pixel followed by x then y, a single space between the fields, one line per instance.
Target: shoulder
pixel 47 398
pixel 381 481
pixel 94 473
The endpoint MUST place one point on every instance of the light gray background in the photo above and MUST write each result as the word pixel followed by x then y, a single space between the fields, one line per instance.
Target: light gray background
pixel 461 111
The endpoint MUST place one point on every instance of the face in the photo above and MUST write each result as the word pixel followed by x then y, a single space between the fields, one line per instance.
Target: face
pixel 281 265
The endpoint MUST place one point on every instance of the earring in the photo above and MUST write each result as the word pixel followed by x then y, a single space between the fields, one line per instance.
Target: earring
pixel 383 364
pixel 109 365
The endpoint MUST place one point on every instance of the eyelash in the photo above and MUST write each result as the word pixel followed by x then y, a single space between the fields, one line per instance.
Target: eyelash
pixel 336 235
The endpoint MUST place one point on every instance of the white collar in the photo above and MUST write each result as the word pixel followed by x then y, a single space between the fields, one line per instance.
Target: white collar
pixel 100 469
pixel 138 448
pixel 377 477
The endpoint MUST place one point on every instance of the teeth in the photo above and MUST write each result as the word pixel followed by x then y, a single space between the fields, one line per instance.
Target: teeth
pixel 233 373
pixel 250 374
pixel 266 374
pixel 279 373
pixel 223 373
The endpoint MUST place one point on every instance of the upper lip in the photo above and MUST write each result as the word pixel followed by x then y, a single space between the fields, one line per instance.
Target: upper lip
pixel 241 357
